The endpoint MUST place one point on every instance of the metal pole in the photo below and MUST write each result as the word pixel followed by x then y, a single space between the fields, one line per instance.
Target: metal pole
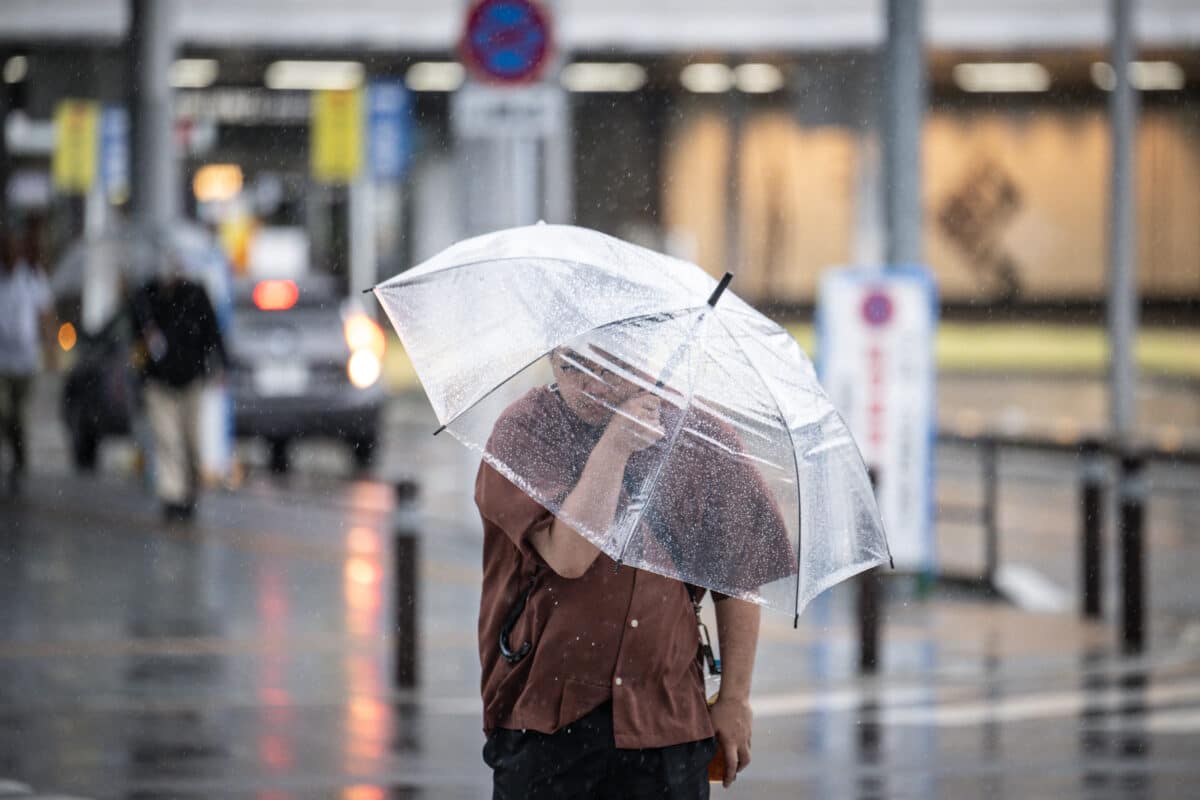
pixel 406 597
pixel 734 191
pixel 869 613
pixel 991 533
pixel 155 184
pixel 6 104
pixel 903 112
pixel 1133 588
pixel 868 622
pixel 1091 560
pixel 363 256
pixel 558 172
pixel 1122 287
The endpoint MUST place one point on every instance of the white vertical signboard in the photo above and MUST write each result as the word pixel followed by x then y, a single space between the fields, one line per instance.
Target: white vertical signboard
pixel 875 332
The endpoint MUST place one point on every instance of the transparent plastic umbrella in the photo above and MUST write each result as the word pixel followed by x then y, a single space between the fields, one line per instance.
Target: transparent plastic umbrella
pixel 101 268
pixel 529 342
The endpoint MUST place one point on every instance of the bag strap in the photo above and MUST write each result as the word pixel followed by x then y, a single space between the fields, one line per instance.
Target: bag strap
pixel 705 655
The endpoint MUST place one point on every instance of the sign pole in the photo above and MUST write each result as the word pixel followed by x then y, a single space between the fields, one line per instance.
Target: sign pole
pixel 1122 287
pixel 903 112
pixel 155 197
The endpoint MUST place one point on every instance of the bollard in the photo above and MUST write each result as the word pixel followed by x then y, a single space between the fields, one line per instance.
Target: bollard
pixel 868 621
pixel 991 533
pixel 1132 498
pixel 1091 555
pixel 868 611
pixel 406 592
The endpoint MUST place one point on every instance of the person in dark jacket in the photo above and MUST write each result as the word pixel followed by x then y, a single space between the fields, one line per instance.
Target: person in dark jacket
pixel 180 349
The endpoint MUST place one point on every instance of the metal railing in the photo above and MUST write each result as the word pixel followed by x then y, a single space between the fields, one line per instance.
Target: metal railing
pixel 1095 456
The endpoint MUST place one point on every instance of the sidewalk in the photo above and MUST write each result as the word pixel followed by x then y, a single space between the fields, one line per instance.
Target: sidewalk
pixel 249 655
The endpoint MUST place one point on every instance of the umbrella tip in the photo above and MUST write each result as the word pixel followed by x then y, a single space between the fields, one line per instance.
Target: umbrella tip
pixel 439 430
pixel 796 622
pixel 716 295
pixel 368 290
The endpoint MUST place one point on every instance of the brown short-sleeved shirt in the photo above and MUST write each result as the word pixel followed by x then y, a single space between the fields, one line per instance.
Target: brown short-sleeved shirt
pixel 622 634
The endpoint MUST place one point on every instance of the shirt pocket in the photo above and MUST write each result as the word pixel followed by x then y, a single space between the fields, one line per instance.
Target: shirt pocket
pixel 578 699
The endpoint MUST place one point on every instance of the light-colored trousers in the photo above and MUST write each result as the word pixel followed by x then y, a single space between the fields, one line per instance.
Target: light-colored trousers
pixel 175 421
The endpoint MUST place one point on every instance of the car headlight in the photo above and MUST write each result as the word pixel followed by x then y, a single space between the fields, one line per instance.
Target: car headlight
pixel 363 368
pixel 362 333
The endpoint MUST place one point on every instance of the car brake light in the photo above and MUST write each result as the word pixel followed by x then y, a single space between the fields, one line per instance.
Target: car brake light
pixel 275 295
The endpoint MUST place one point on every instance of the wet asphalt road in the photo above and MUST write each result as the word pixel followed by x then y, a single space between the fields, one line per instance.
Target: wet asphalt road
pixel 251 653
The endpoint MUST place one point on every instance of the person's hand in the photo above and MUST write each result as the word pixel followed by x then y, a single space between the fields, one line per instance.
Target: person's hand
pixel 635 424
pixel 731 719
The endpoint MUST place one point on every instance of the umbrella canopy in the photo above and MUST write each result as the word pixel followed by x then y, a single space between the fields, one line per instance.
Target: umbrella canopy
pixel 531 342
pixel 100 268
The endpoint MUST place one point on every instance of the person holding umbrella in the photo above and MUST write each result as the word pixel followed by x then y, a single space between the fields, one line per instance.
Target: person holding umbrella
pixel 646 436
pixel 608 699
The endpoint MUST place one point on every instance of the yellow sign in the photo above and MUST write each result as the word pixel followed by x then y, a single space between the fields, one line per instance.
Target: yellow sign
pixel 336 142
pixel 74 161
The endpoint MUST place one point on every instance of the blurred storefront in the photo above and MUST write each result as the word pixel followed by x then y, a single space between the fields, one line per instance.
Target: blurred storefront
pixel 741 138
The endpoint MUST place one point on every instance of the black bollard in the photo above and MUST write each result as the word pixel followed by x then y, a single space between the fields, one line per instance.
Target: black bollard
pixel 868 612
pixel 1132 494
pixel 868 621
pixel 991 532
pixel 1091 555
pixel 406 593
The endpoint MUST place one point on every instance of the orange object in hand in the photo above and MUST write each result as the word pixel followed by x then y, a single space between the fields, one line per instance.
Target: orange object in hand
pixel 716 767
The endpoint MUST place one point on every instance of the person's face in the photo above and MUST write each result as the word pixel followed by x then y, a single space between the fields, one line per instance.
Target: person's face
pixel 590 390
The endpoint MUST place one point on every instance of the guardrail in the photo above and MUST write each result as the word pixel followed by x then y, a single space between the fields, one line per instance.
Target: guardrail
pixel 1096 457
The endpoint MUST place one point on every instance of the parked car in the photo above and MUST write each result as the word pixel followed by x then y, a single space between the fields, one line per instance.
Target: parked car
pixel 305 362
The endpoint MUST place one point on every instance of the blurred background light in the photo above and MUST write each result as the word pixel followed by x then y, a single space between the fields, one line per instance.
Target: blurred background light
pixel 1146 76
pixel 275 295
pixel 214 183
pixel 313 75
pixel 1002 77
pixel 66 336
pixel 434 76
pixel 706 78
pixel 363 333
pixel 594 76
pixel 363 368
pixel 15 69
pixel 194 73
pixel 758 78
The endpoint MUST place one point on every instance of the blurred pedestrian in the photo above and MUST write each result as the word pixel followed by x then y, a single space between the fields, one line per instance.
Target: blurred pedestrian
pixel 596 689
pixel 26 321
pixel 181 353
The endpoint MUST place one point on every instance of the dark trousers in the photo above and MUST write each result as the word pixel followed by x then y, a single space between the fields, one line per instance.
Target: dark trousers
pixel 13 389
pixel 581 762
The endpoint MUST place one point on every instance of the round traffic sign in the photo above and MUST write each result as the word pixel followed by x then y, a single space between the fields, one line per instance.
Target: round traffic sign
pixel 877 308
pixel 507 41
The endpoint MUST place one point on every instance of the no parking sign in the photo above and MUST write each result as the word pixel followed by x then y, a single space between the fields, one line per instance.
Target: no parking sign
pixel 875 331
pixel 507 41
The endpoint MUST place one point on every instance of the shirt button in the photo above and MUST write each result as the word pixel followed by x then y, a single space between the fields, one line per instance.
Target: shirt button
pixel 617 681
pixel 633 623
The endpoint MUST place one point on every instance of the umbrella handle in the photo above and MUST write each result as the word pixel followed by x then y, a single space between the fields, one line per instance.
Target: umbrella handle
pixel 514 613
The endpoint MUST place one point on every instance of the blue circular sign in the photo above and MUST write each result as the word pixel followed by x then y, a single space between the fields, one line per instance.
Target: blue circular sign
pixel 507 41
